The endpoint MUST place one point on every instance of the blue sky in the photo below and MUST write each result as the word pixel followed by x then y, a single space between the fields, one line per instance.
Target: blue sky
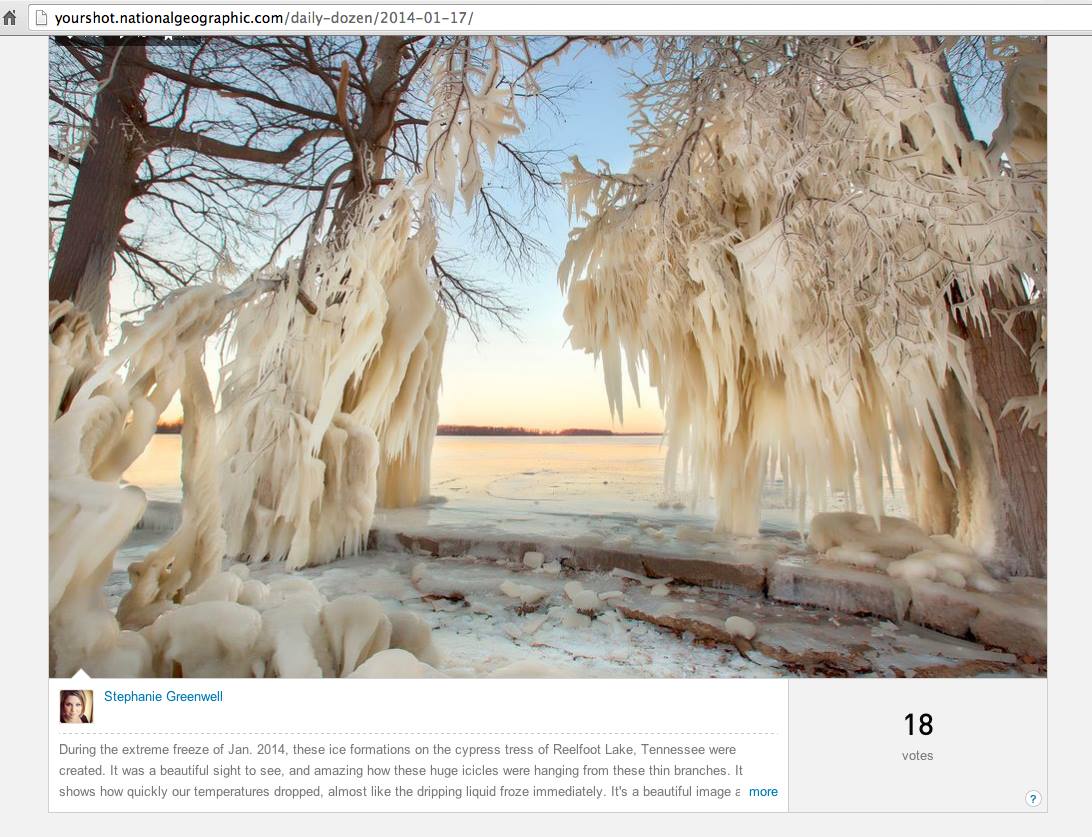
pixel 536 380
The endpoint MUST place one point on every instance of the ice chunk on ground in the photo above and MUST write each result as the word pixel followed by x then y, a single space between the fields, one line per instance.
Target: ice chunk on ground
pixel 533 560
pixel 356 628
pixel 895 537
pixel 411 633
pixel 738 626
pixel 286 586
pixel 222 587
pixel 857 557
pixel 586 601
pixel 208 639
pixel 574 619
pixel 130 656
pixel 253 593
pixel 955 569
pixel 394 663
pixel 292 642
pixel 527 594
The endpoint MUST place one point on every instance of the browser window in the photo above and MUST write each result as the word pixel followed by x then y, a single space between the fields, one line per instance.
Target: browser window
pixel 492 410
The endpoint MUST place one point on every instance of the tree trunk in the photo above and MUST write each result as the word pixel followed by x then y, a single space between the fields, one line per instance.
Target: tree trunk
pixel 371 135
pixel 1003 372
pixel 104 186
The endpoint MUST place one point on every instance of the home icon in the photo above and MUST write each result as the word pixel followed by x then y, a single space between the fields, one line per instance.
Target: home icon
pixel 9 18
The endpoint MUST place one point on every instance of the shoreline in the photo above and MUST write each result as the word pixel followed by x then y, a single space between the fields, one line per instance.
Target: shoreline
pixel 787 574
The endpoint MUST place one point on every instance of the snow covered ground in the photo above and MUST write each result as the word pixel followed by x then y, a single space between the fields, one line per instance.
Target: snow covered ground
pixel 457 561
pixel 502 617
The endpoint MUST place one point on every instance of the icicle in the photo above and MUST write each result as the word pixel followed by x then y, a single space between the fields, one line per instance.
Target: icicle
pixel 325 414
pixel 788 266
pixel 103 414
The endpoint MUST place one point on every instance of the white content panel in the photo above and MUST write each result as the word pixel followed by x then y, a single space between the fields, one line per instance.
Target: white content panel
pixel 416 745
pixel 851 748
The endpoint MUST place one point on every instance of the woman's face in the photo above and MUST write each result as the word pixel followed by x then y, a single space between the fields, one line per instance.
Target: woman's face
pixel 73 708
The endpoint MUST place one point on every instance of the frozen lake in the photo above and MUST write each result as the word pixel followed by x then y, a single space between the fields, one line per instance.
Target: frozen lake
pixel 568 475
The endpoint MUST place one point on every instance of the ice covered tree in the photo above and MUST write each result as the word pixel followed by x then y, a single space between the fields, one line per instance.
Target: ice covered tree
pixel 102 414
pixel 802 256
pixel 369 141
pixel 180 160
pixel 182 615
pixel 330 403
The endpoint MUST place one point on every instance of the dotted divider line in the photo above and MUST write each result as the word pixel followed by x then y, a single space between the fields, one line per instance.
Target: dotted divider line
pixel 479 732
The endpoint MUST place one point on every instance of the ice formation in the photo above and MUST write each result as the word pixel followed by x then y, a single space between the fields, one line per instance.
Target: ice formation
pixel 786 257
pixel 328 407
pixel 325 414
pixel 1020 141
pixel 103 412
pixel 410 633
pixel 894 538
pixel 207 639
pixel 356 628
pixel 182 616
pixel 328 413
pixel 394 662
pixel 529 595
pixel 738 626
pixel 956 569
pixel 900 548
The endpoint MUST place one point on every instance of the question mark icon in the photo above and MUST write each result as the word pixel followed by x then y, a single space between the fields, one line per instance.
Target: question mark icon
pixel 1033 798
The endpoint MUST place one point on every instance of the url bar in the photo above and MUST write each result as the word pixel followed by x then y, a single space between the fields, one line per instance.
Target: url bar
pixel 227 18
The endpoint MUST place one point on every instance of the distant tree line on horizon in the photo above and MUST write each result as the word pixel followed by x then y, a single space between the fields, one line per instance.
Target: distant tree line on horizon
pixel 489 430
pixel 175 427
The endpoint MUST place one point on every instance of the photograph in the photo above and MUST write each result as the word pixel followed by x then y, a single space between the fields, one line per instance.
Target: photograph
pixel 76 706
pixel 584 356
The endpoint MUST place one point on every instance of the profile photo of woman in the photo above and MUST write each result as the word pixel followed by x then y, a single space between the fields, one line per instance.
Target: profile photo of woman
pixel 75 708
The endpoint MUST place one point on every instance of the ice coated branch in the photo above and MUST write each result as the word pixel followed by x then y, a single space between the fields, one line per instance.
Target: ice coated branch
pixel 804 230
